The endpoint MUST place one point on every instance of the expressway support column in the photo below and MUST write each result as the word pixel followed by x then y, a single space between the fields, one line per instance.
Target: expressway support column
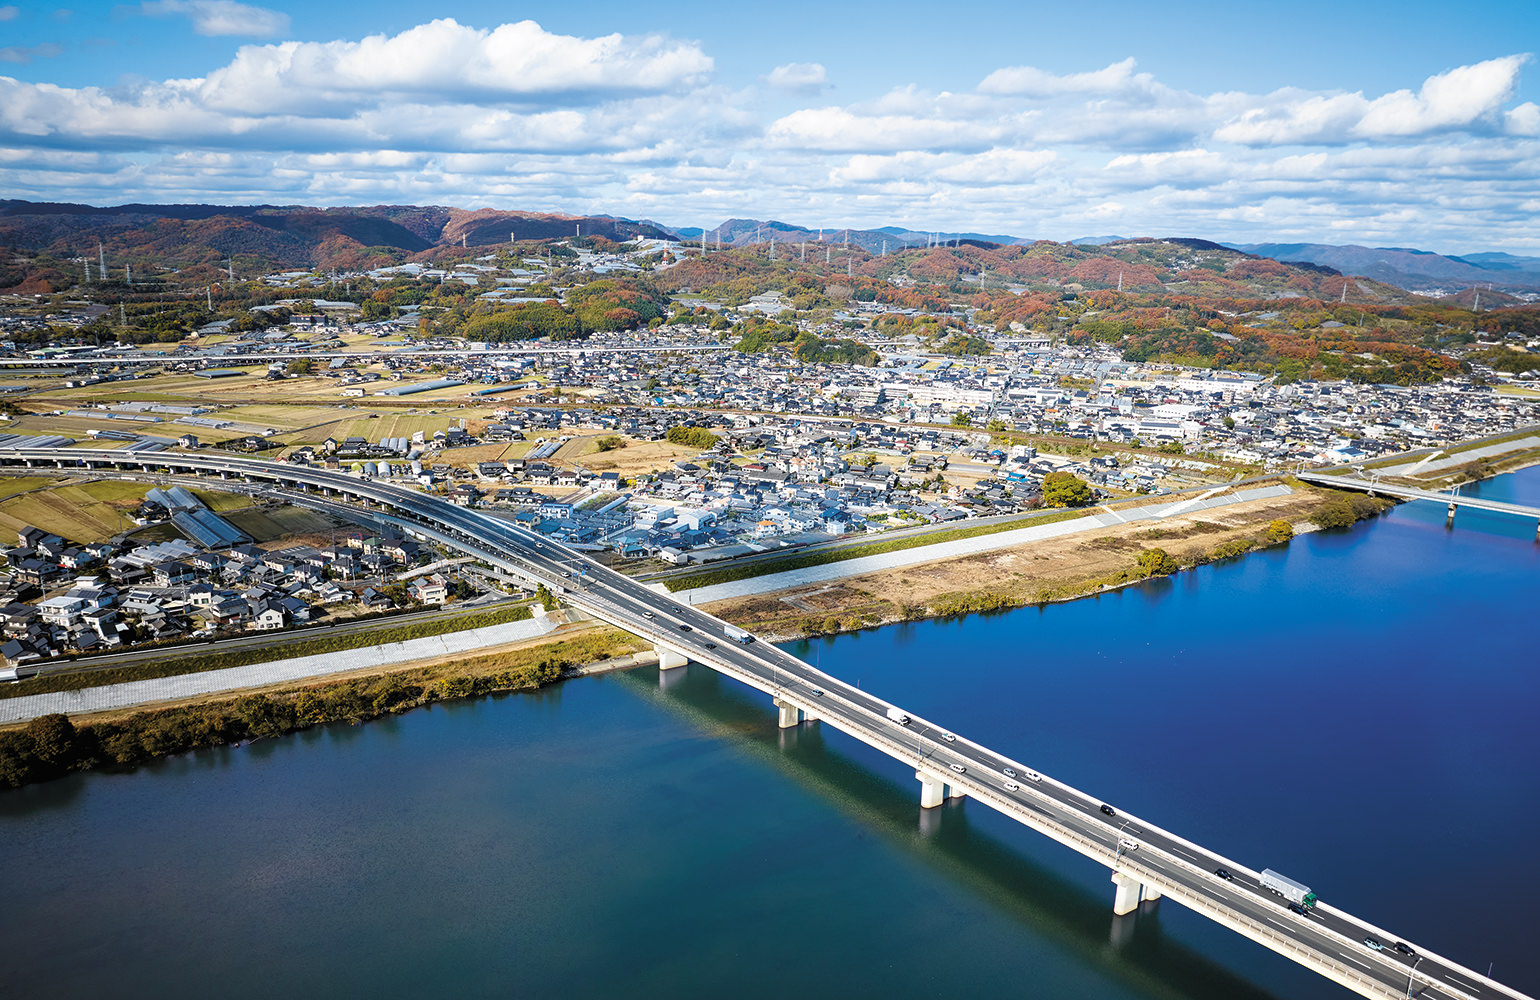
pixel 668 659
pixel 790 714
pixel 1449 521
pixel 1127 899
pixel 954 791
pixel 932 790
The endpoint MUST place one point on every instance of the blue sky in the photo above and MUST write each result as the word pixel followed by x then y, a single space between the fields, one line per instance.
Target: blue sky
pixel 1386 124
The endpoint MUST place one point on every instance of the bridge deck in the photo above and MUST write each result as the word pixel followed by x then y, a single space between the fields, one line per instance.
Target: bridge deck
pixel 1413 493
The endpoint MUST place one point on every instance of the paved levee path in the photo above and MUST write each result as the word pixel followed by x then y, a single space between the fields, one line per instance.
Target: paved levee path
pixel 131 693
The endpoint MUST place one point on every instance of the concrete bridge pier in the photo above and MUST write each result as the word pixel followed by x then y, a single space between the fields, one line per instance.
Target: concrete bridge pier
pixel 932 790
pixel 1130 891
pixel 790 714
pixel 668 659
pixel 1449 521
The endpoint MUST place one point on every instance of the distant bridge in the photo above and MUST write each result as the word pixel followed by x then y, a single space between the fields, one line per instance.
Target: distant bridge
pixel 1454 500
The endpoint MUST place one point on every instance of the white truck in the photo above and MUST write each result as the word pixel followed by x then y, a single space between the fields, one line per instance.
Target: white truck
pixel 897 715
pixel 1295 892
pixel 737 634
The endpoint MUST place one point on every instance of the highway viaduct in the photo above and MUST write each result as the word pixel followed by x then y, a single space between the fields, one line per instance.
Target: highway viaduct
pixel 1146 862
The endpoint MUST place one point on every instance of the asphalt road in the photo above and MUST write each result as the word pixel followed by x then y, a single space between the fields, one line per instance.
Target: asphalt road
pixel 1325 933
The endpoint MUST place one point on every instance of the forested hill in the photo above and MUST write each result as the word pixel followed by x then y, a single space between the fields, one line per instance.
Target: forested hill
pixel 265 238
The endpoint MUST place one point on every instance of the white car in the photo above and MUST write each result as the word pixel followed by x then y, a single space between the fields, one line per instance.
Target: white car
pixel 1009 772
pixel 959 768
pixel 1011 786
pixel 1033 776
pixel 949 737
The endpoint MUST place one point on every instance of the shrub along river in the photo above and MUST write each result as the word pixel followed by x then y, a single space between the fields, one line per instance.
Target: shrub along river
pixel 1357 710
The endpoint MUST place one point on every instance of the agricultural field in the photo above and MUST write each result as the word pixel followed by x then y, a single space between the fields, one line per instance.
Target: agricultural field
pixel 496 452
pixel 270 523
pixel 635 458
pixel 86 510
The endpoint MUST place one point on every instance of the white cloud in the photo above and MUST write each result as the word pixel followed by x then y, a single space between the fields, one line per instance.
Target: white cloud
pixel 1028 81
pixel 446 60
pixel 221 17
pixel 799 78
pixel 1467 97
pixel 840 130
pixel 9 12
pixel 518 116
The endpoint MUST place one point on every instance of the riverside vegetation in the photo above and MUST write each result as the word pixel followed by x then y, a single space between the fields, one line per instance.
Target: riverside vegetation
pixel 1333 509
pixel 51 746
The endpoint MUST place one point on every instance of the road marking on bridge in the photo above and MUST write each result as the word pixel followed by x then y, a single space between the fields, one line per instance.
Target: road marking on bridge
pixel 1283 925
pixel 1463 982
pixel 1184 853
pixel 1355 961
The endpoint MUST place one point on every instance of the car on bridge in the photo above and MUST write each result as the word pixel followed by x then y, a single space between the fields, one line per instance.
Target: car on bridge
pixel 1373 944
pixel 1108 810
pixel 958 768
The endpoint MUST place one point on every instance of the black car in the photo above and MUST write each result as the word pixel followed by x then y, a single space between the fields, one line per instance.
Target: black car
pixel 1223 873
pixel 1296 908
pixel 685 628
pixel 1406 949
pixel 1108 810
pixel 711 645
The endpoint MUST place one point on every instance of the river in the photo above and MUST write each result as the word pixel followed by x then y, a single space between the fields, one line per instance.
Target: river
pixel 1356 710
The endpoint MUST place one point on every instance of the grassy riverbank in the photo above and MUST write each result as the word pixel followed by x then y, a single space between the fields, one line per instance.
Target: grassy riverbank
pixel 1048 570
pixel 52 746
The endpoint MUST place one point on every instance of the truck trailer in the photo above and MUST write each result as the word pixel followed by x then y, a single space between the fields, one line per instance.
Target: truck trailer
pixel 737 634
pixel 897 715
pixel 1289 889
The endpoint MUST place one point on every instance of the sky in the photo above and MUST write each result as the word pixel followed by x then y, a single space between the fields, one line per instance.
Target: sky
pixel 1386 124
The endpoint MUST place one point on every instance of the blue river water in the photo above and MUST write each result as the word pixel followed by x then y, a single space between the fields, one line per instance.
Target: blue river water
pixel 1357 710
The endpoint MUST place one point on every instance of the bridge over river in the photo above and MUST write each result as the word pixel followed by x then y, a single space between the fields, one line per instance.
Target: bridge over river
pixel 1454 500
pixel 1146 862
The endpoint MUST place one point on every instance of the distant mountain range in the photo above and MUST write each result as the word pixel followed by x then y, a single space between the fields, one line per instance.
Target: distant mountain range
pixel 291 236
pixel 271 236
pixel 1416 270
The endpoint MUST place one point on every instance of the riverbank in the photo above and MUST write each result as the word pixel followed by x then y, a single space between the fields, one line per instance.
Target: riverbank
pixel 1044 571
pixel 53 745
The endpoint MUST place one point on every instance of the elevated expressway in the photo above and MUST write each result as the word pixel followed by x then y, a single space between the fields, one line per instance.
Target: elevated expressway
pixel 1146 861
